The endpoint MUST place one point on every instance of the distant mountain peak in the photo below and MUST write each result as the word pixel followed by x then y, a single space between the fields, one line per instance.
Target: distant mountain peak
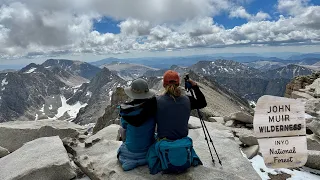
pixel 80 68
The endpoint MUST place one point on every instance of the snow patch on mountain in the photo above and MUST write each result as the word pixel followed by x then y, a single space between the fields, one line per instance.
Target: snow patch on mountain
pixel 89 93
pixel 4 82
pixel 71 109
pixel 30 70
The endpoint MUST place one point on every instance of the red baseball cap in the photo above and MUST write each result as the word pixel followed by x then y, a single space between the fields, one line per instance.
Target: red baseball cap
pixel 171 77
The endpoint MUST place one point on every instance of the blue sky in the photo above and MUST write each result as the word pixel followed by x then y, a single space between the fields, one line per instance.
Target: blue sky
pixel 94 29
pixel 107 24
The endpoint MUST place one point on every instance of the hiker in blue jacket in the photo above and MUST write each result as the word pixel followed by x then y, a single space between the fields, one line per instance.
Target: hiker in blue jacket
pixel 138 125
pixel 174 153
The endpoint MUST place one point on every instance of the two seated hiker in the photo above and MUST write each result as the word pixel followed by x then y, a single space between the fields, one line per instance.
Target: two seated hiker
pixel 169 149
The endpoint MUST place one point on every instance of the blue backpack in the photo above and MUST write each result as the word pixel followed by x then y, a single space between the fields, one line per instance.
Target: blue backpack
pixel 175 156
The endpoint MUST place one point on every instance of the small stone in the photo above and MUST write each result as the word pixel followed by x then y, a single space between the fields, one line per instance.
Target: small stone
pixel 230 123
pixel 3 152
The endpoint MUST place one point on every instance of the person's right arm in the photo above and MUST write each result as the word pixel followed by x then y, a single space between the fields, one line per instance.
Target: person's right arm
pixel 199 101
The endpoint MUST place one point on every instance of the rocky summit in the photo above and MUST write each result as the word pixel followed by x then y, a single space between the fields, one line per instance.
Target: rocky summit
pixel 59 120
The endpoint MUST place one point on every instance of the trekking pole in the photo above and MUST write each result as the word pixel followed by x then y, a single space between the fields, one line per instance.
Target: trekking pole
pixel 204 127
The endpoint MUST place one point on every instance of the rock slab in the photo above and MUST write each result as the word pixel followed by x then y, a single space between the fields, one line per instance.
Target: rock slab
pixel 44 158
pixel 15 133
pixel 99 160
pixel 242 117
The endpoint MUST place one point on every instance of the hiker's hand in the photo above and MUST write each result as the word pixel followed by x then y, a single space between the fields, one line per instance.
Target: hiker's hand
pixel 192 82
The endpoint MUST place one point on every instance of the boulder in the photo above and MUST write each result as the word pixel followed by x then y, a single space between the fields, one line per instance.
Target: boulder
pixel 15 133
pixel 249 140
pixel 313 160
pixel 313 142
pixel 217 119
pixel 3 152
pixel 314 126
pixel 43 158
pixel 194 123
pixel 251 151
pixel 242 117
pixel 99 160
pixel 247 137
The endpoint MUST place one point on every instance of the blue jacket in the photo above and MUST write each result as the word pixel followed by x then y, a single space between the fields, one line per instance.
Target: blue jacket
pixel 138 120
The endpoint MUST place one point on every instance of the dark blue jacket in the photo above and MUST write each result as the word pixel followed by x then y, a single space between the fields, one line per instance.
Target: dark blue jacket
pixel 137 117
pixel 172 114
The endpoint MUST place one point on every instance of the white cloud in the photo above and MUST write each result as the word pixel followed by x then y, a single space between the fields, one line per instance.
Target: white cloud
pixel 37 27
pixel 292 7
pixel 135 27
pixel 240 12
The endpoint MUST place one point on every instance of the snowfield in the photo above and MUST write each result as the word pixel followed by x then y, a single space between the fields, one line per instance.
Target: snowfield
pixel 71 109
pixel 301 174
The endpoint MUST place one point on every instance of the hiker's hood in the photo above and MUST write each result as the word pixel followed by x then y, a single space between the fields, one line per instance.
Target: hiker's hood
pixel 137 112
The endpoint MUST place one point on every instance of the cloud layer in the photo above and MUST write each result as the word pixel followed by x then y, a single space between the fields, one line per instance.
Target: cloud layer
pixel 37 27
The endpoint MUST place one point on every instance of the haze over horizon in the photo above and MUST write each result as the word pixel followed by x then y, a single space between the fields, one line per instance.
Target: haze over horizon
pixel 35 30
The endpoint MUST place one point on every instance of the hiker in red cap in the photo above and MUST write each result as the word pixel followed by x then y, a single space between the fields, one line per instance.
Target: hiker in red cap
pixel 174 108
pixel 173 152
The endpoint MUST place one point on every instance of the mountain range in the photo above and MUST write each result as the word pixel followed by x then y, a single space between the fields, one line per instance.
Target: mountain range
pixel 80 92
pixel 167 62
pixel 41 91
pixel 248 82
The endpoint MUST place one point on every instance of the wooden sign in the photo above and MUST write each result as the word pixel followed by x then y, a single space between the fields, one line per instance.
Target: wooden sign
pixel 280 127
pixel 284 152
pixel 277 117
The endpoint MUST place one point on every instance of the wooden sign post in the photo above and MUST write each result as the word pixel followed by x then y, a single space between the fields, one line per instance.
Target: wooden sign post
pixel 280 127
